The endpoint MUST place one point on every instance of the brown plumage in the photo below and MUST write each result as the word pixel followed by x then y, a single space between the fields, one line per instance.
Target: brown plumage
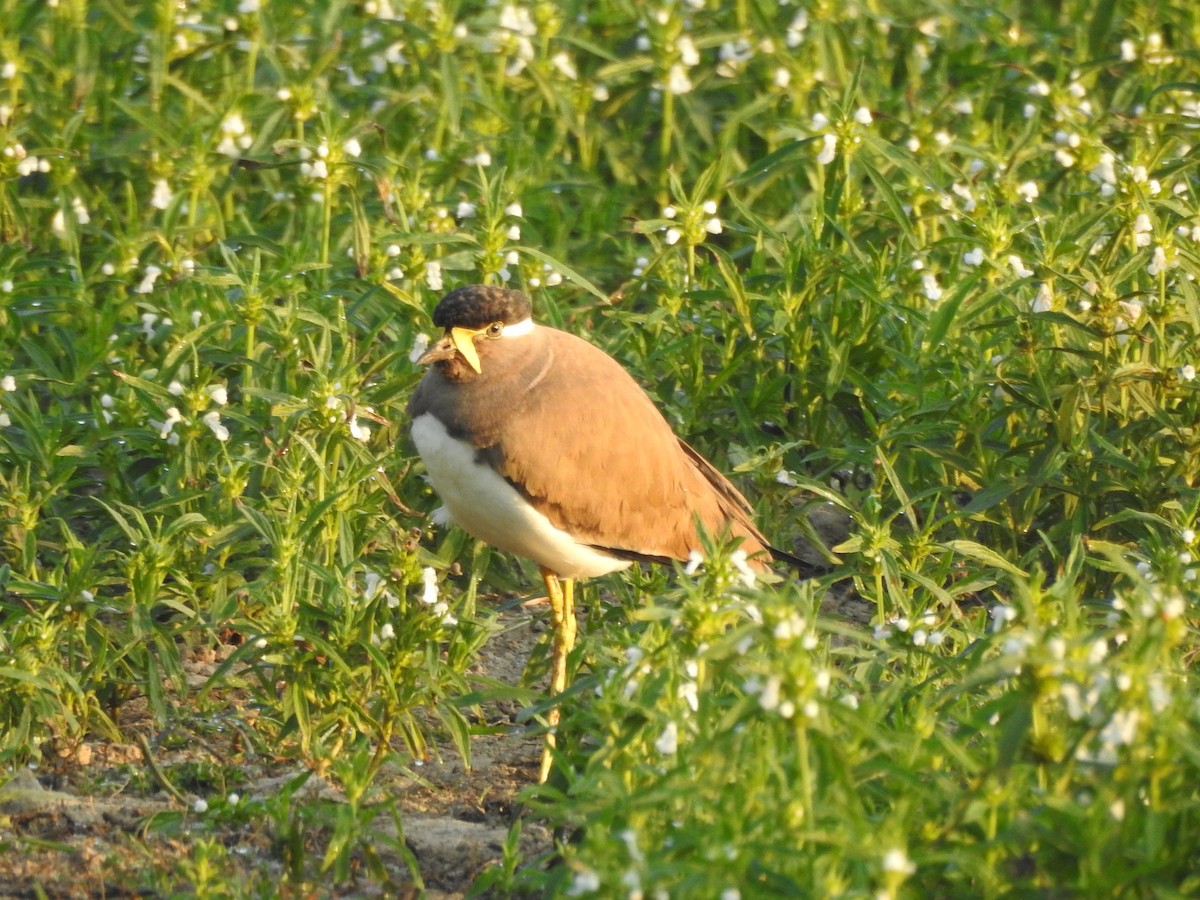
pixel 586 447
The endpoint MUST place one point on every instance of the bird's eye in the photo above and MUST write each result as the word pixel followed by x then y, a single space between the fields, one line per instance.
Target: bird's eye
pixel 494 329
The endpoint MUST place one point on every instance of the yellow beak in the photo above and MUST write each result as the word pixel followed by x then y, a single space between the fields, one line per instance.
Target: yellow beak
pixel 464 341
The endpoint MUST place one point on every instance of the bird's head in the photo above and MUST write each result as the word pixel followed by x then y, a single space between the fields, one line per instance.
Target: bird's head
pixel 472 317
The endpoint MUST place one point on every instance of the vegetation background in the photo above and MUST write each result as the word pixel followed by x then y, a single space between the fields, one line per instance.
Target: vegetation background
pixel 927 269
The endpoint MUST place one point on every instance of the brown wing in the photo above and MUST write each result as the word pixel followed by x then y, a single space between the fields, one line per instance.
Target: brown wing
pixel 645 487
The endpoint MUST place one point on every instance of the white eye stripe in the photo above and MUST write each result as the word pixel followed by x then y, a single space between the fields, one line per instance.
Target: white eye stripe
pixel 517 329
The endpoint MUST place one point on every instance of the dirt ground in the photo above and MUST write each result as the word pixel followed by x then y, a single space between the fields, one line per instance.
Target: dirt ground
pixel 90 824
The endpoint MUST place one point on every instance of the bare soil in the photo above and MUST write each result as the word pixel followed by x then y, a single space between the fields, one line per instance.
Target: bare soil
pixel 95 822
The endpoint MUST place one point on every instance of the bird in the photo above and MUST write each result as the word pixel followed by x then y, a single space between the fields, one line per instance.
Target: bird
pixel 540 444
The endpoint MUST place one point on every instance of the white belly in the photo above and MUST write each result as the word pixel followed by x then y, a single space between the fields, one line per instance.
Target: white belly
pixel 491 509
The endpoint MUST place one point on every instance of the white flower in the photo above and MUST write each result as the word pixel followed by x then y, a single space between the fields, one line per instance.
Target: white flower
pixel 791 627
pixel 1121 729
pixel 964 192
pixel 464 210
pixel 234 136
pixel 795 31
pixel 1128 51
pixel 1105 171
pixel 149 276
pixel 173 418
pixel 565 64
pixel 433 275
pixel 1133 309
pixel 694 561
pixel 8 383
pixel 678 81
pixel 862 116
pixel 668 742
pixel 713 225
pixel 930 287
pixel 148 320
pixel 973 257
pixel 1160 263
pixel 358 431
pixel 352 148
pixel 1002 614
pixel 213 420
pixel 58 223
pixel 517 19
pixel 689 693
pixel 585 882
pixel 1044 301
pixel 514 232
pixel 897 861
pixel 1142 228
pixel 247 7
pixel 371 584
pixel 768 694
pixel 828 151
pixel 429 586
pixel 1188 372
pixel 200 806
pixel 160 197
pixel 746 575
pixel 514 209
pixel 218 393
pixel 672 236
pixel 420 345
pixel 1018 266
pixel 733 56
pixel 6 286
pixel 688 54
pixel 82 216
pixel 386 631
pixel 1028 191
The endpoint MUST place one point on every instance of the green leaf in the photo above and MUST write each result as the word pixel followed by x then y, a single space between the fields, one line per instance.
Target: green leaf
pixel 980 553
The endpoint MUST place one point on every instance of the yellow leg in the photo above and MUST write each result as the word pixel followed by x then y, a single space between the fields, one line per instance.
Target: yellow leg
pixel 562 618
